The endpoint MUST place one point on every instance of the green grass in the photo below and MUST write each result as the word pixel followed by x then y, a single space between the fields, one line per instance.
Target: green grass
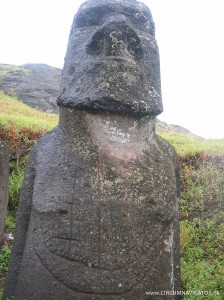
pixel 202 181
pixel 190 145
pixel 20 116
pixel 5 252
pixel 15 184
pixel 10 221
pixel 202 224
pixel 10 69
pixel 202 256
pixel 202 186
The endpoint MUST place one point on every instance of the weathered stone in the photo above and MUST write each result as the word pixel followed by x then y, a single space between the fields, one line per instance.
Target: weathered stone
pixel 4 180
pixel 98 213
pixel 112 60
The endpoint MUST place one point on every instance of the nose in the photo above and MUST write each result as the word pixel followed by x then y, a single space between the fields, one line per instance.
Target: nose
pixel 116 37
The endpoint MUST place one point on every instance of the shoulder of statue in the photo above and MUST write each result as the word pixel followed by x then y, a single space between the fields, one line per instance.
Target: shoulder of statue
pixel 41 145
pixel 167 148
pixel 47 138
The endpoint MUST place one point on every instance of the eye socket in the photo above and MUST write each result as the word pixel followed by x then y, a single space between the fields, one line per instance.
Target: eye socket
pixel 96 44
pixel 84 19
pixel 90 17
pixel 134 44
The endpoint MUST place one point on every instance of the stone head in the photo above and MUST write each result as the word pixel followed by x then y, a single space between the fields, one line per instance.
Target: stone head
pixel 112 60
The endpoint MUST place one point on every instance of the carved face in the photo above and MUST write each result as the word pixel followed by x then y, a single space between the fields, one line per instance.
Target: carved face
pixel 112 60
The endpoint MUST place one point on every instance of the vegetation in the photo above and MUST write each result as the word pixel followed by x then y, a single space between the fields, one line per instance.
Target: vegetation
pixel 5 252
pixel 202 228
pixel 9 69
pixel 189 145
pixel 16 116
pixel 202 181
pixel 4 257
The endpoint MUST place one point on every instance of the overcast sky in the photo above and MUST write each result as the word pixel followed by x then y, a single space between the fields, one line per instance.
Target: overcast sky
pixel 190 35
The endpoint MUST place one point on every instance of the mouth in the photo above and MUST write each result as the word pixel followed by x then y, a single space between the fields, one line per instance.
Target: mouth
pixel 120 59
pixel 117 59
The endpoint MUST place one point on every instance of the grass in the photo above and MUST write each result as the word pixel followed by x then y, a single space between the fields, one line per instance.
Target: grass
pixel 5 252
pixel 202 186
pixel 202 226
pixel 15 184
pixel 20 116
pixel 202 181
pixel 202 257
pixel 190 145
pixel 9 69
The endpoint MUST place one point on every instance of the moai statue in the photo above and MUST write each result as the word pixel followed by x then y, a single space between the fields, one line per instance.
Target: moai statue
pixel 4 181
pixel 98 213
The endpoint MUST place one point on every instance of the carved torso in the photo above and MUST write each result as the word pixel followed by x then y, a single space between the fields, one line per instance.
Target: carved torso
pixel 97 214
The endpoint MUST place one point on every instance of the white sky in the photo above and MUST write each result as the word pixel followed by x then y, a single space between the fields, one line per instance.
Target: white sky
pixel 190 34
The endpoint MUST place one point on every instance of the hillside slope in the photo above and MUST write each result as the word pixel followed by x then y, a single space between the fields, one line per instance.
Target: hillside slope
pixel 34 84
